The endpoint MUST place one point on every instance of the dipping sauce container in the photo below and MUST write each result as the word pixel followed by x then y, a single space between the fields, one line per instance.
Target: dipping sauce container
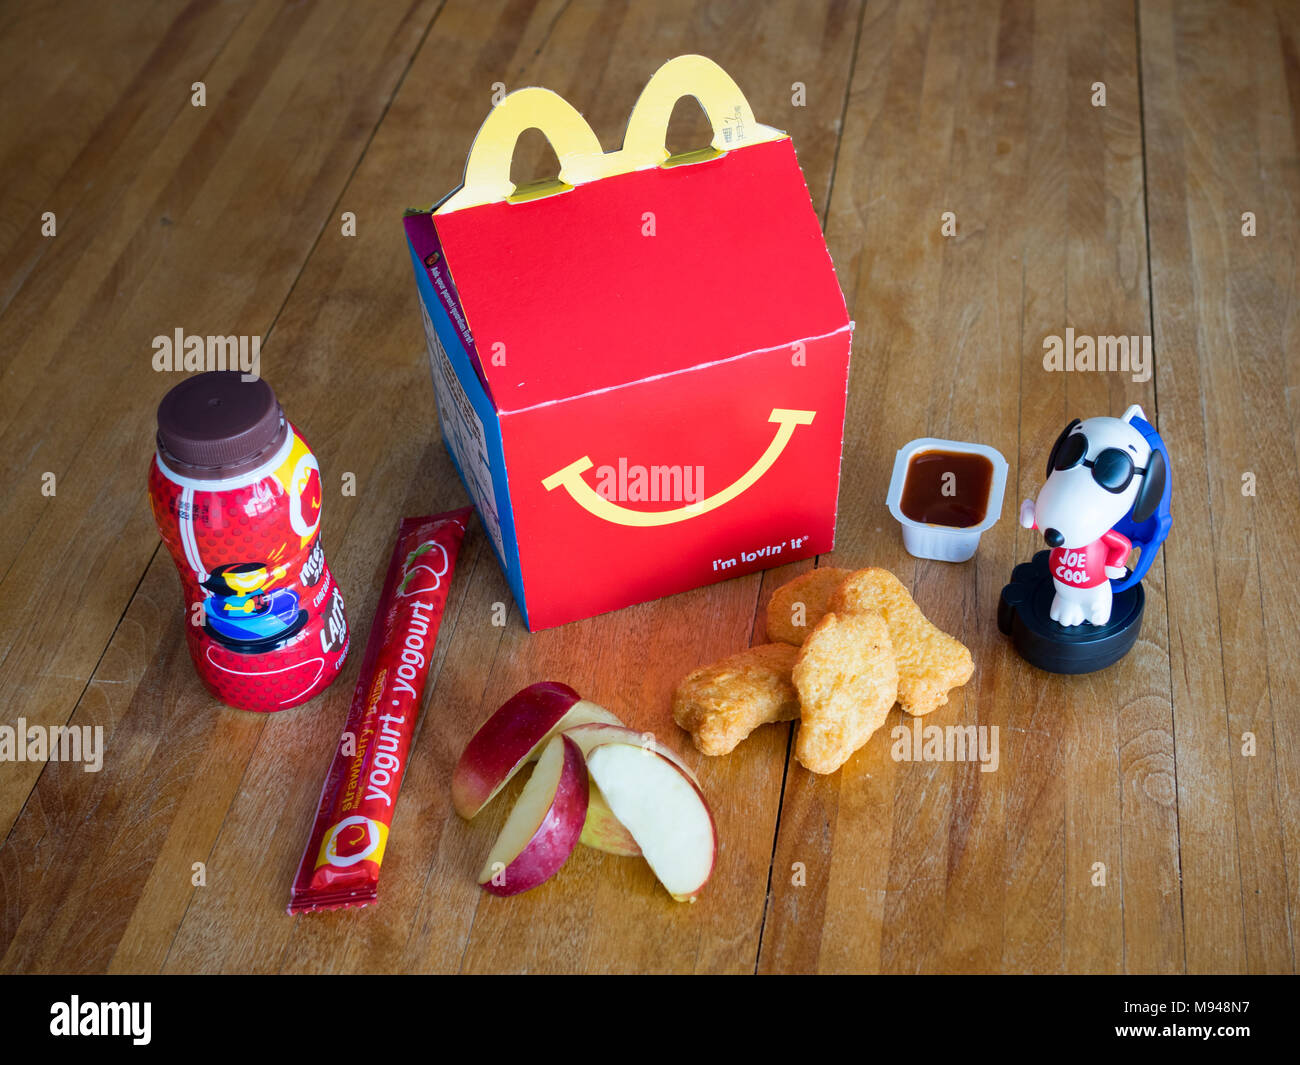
pixel 945 493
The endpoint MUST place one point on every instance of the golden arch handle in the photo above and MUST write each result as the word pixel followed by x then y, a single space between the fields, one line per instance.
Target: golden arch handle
pixel 724 105
pixel 570 478
pixel 487 172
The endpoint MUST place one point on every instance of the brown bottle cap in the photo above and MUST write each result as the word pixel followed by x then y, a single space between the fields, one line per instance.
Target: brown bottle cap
pixel 216 425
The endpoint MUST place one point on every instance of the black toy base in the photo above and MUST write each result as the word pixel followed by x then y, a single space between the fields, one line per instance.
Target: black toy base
pixel 1024 614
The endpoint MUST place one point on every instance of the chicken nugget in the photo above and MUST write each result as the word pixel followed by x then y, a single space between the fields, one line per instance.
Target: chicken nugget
pixel 847 682
pixel 721 704
pixel 812 591
pixel 930 662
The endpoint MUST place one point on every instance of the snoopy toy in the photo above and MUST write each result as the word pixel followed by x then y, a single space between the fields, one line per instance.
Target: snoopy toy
pixel 1107 492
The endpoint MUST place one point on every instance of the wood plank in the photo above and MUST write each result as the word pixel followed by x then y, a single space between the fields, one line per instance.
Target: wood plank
pixel 984 110
pixel 1123 813
pixel 1223 317
pixel 240 232
pixel 99 84
pixel 201 240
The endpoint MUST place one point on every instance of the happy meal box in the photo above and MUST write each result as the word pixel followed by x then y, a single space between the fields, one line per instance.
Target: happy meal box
pixel 640 367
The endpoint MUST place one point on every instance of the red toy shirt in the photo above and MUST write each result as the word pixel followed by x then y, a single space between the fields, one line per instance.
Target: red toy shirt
pixel 1085 567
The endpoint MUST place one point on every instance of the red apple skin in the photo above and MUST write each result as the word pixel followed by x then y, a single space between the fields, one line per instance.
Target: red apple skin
pixel 556 836
pixel 504 742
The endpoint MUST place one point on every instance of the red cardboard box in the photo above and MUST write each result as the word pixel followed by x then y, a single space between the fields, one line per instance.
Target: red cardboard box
pixel 640 367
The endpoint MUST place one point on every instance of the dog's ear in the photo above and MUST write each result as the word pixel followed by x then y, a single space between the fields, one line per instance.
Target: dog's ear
pixel 1056 448
pixel 1153 487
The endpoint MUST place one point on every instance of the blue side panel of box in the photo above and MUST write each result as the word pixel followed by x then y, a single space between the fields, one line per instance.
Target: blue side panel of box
pixel 471 430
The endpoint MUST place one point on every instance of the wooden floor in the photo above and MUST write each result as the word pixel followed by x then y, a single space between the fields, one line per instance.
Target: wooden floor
pixel 1122 219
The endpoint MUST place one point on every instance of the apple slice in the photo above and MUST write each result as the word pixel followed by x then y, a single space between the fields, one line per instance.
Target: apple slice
pixel 661 805
pixel 515 735
pixel 603 831
pixel 544 826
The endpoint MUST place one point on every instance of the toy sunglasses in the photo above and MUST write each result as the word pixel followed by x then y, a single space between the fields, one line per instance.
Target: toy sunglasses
pixel 1113 468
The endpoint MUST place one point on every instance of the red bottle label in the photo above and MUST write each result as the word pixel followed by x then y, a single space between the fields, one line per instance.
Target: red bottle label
pixel 264 617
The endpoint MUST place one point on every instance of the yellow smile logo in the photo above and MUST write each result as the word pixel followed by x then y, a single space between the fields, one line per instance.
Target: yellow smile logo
pixel 590 500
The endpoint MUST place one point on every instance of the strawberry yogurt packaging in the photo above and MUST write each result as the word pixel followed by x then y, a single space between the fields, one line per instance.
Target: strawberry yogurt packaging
pixel 340 867
pixel 236 494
